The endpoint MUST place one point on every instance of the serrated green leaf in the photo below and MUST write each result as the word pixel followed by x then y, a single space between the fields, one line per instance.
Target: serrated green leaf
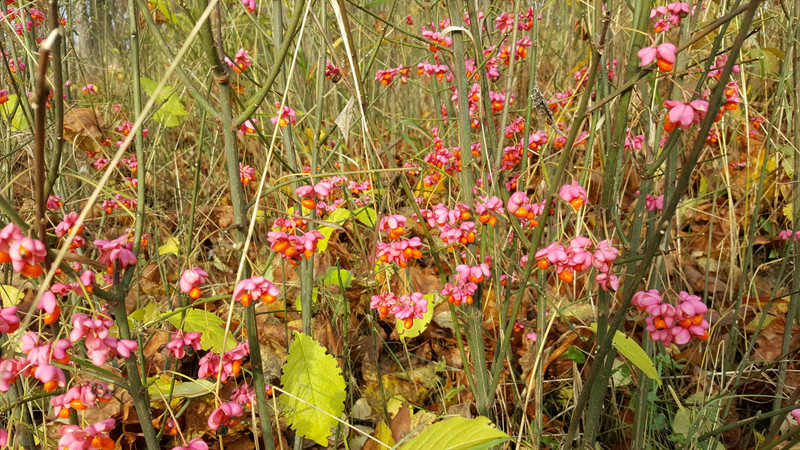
pixel 18 121
pixel 312 375
pixel 419 324
pixel 458 433
pixel 367 216
pixel 628 348
pixel 336 276
pixel 211 325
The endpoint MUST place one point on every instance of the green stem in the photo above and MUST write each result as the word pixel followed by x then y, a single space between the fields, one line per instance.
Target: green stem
pixel 259 97
pixel 57 101
pixel 605 346
pixel 222 78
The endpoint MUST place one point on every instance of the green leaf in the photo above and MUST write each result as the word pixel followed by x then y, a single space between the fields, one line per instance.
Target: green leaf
pixel 628 348
pixel 456 434
pixel 212 327
pixel 575 354
pixel 312 376
pixel 18 121
pixel 146 313
pixel 337 277
pixel 338 216
pixel 419 324
pixel 367 216
pixel 190 389
pixel 170 110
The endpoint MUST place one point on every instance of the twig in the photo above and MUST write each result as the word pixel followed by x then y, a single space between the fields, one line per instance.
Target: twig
pixel 40 118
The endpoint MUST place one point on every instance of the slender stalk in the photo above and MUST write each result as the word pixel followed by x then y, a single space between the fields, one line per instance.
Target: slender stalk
pixel 135 388
pixel 794 300
pixel 473 315
pixel 57 101
pixel 222 78
pixel 605 348
pixel 40 136
pixel 255 101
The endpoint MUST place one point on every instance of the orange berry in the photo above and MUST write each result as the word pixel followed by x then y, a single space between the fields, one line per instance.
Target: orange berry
pixel 308 203
pixel 576 203
pixel 290 252
pixel 668 125
pixel 493 221
pixel 465 215
pixel 52 318
pixel 697 320
pixel 566 276
pixel 408 253
pixel 408 323
pixel 5 258
pixel 469 299
pixel 237 367
pixel 542 264
pixel 383 311
pixel 308 253
pixel 78 405
pixel 102 443
pixel 475 279
pixel 417 253
pixel 194 293
pixel 664 66
pixel 268 299
pixel 659 323
pixel 64 360
pixel 246 300
pixel 686 323
pixel 64 413
pixel 280 246
pixel 50 386
pixel 32 271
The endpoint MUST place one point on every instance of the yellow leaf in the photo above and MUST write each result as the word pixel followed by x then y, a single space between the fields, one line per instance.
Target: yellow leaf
pixel 384 434
pixel 11 296
pixel 172 246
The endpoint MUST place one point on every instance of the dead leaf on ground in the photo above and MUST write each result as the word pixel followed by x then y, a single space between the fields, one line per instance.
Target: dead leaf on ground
pixel 83 128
